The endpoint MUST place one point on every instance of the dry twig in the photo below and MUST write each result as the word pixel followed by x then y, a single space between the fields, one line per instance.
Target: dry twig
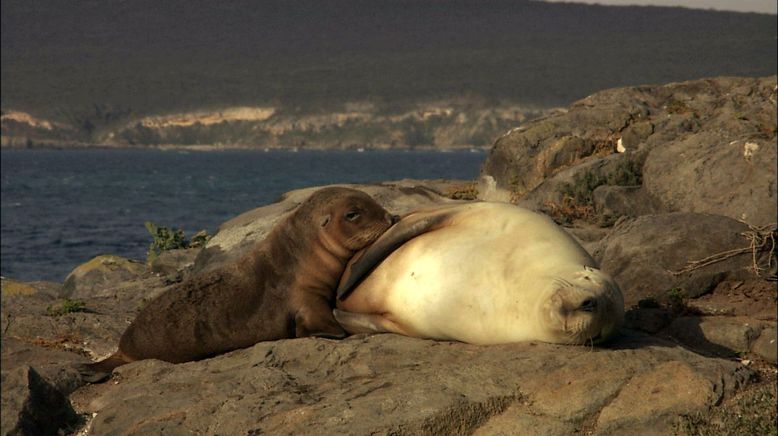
pixel 760 239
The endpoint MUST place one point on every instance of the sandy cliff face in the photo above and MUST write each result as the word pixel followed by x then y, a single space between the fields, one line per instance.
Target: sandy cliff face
pixel 208 118
pixel 440 124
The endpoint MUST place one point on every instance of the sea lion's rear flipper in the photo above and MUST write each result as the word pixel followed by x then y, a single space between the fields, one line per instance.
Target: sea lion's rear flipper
pixel 409 227
pixel 366 323
pixel 100 371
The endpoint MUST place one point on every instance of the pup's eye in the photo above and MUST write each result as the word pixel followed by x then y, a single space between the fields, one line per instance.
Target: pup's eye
pixel 351 216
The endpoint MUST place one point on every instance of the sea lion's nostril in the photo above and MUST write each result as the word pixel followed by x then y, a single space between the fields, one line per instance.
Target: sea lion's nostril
pixel 588 305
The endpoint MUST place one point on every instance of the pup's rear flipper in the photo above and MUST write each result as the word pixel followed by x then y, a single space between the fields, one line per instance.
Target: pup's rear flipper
pixel 100 371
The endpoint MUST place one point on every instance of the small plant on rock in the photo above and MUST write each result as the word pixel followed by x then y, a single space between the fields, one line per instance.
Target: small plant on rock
pixel 467 191
pixel 165 239
pixel 67 306
pixel 577 197
pixel 677 107
pixel 676 301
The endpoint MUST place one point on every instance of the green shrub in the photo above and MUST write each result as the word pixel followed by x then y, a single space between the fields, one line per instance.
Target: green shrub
pixel 577 197
pixel 627 173
pixel 67 306
pixel 171 239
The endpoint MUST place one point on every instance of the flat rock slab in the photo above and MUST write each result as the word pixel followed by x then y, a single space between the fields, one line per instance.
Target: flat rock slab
pixel 389 384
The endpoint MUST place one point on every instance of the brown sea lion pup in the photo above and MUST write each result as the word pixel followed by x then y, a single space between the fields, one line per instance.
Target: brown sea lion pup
pixel 283 288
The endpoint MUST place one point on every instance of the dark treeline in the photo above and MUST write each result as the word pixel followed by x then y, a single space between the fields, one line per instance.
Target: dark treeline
pixel 155 56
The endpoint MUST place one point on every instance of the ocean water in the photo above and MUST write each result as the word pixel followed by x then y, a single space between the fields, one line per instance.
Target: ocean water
pixel 60 208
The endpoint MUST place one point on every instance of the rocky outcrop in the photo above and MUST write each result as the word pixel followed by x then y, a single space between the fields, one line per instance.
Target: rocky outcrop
pixel 650 256
pixel 704 146
pixel 99 273
pixel 696 353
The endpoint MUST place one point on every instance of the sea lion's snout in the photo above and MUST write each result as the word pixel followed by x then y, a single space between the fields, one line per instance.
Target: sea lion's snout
pixel 393 218
pixel 582 310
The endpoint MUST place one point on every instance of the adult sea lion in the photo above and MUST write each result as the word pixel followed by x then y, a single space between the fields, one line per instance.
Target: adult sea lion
pixel 283 288
pixel 483 273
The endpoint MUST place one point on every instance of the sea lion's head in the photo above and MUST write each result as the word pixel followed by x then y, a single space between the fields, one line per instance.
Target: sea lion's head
pixel 583 307
pixel 348 219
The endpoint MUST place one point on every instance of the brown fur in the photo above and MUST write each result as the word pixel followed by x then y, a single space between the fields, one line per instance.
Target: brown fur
pixel 283 288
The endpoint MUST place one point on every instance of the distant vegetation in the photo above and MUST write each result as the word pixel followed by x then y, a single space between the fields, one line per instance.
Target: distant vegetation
pixel 149 57
pixel 94 70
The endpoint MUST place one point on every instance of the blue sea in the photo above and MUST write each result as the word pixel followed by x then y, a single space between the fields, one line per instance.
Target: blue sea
pixel 60 208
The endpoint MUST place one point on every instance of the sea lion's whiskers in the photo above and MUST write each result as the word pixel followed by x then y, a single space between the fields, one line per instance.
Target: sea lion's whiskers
pixel 562 283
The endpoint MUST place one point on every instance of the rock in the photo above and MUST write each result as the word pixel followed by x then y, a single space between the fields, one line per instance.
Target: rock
pixel 588 235
pixel 704 146
pixel 392 384
pixel 751 412
pixel 55 364
pixel 12 288
pixel 94 278
pixel 173 262
pixel 753 298
pixel 32 406
pixel 716 173
pixel 765 346
pixel 92 332
pixel 613 202
pixel 598 190
pixel 523 158
pixel 652 400
pixel 565 182
pixel 650 320
pixel 517 419
pixel 722 336
pixel 643 253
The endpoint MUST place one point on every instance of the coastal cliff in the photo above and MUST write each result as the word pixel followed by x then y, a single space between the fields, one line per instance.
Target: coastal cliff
pixel 432 125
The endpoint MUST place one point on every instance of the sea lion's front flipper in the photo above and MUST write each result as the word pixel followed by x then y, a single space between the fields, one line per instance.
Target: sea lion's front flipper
pixel 315 319
pixel 366 323
pixel 410 226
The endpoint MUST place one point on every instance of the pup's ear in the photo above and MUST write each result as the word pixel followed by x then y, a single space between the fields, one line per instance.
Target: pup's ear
pixel 325 220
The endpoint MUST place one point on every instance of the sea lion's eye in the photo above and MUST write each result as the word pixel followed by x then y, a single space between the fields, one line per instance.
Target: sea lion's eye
pixel 352 215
